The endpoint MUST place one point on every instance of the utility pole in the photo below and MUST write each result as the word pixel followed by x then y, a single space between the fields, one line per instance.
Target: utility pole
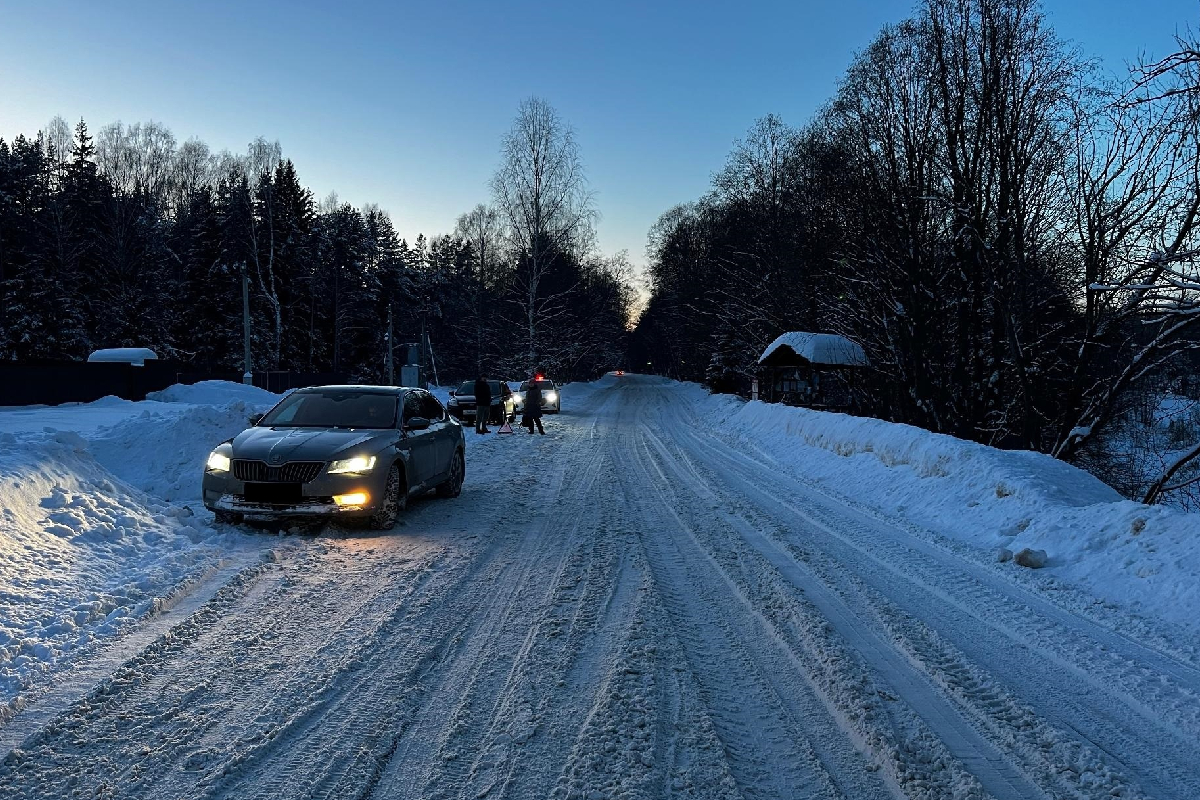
pixel 390 350
pixel 248 375
pixel 424 346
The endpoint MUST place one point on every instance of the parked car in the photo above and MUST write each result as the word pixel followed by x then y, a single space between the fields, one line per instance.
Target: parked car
pixel 504 402
pixel 344 452
pixel 551 401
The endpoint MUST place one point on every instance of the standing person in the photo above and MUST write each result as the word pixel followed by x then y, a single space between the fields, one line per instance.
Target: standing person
pixel 483 404
pixel 533 407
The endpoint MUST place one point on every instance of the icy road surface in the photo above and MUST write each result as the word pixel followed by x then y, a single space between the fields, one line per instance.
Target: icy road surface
pixel 633 606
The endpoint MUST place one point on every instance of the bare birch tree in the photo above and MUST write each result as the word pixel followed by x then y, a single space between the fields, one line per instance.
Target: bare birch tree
pixel 541 190
pixel 483 229
pixel 262 160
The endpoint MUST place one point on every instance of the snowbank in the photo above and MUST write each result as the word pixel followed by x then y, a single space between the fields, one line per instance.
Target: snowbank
pixel 78 417
pixel 163 453
pixel 1146 558
pixel 215 393
pixel 81 553
pixel 93 533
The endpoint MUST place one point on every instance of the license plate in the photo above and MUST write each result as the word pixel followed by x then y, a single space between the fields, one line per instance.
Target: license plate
pixel 273 493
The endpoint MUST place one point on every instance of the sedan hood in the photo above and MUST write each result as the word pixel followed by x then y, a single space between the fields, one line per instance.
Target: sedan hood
pixel 281 445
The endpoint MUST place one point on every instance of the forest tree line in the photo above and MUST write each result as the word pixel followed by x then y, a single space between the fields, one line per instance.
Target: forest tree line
pixel 127 238
pixel 1011 237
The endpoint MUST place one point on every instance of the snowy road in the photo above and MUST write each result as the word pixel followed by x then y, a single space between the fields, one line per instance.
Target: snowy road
pixel 633 606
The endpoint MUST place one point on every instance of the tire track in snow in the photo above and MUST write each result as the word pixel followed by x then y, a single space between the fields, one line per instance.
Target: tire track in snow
pixel 303 732
pixel 981 757
pixel 435 757
pixel 779 735
pixel 498 721
pixel 65 691
pixel 598 594
pixel 976 624
pixel 64 740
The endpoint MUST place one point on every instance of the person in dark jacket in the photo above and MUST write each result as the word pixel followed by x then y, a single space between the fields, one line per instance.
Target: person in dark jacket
pixel 533 408
pixel 483 404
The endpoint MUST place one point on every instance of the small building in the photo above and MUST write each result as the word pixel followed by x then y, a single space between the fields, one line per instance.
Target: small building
pixel 818 370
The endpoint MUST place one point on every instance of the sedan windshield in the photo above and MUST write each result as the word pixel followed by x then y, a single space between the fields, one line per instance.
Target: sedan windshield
pixel 333 409
pixel 468 388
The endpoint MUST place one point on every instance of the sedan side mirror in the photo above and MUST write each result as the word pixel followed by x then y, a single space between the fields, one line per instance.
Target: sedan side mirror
pixel 255 419
pixel 453 392
pixel 416 423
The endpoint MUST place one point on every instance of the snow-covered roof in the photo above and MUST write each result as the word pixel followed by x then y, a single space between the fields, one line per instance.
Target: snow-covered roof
pixel 125 355
pixel 819 348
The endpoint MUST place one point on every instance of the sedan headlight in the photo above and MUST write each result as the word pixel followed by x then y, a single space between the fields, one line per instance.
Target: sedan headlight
pixel 520 398
pixel 551 396
pixel 217 462
pixel 356 465
pixel 453 401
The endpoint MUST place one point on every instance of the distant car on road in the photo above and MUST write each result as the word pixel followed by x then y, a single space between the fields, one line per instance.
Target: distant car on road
pixel 551 400
pixel 344 452
pixel 504 402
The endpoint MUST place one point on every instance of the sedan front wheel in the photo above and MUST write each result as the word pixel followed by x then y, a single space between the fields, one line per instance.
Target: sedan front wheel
pixel 394 501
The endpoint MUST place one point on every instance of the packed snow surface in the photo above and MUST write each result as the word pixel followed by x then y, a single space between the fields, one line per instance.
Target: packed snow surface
pixel 669 595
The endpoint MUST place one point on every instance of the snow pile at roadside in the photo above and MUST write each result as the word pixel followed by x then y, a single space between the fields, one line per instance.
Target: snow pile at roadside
pixel 80 553
pixel 162 451
pixel 91 534
pixel 215 393
pixel 81 418
pixel 1146 558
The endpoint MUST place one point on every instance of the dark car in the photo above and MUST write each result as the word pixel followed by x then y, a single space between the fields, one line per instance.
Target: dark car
pixel 504 402
pixel 551 401
pixel 345 452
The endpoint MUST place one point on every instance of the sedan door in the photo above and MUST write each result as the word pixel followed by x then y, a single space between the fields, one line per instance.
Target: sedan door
pixel 444 433
pixel 421 445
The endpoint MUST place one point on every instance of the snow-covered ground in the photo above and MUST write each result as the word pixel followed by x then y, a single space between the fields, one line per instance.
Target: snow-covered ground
pixel 1142 558
pixel 669 595
pixel 101 521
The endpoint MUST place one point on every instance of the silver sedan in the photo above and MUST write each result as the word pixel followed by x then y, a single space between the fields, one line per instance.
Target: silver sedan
pixel 350 452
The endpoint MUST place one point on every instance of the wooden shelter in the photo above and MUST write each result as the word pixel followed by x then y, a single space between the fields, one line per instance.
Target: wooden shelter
pixel 817 370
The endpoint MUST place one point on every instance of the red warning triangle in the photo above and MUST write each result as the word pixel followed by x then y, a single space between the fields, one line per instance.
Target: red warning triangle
pixel 505 428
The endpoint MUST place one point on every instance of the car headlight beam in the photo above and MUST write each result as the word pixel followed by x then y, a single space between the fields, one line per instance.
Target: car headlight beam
pixel 356 465
pixel 551 396
pixel 217 462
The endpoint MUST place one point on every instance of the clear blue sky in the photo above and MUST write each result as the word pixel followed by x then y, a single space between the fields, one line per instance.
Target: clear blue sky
pixel 404 104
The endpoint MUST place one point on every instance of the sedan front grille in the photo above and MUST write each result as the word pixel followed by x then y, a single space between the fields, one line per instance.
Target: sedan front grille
pixel 261 472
